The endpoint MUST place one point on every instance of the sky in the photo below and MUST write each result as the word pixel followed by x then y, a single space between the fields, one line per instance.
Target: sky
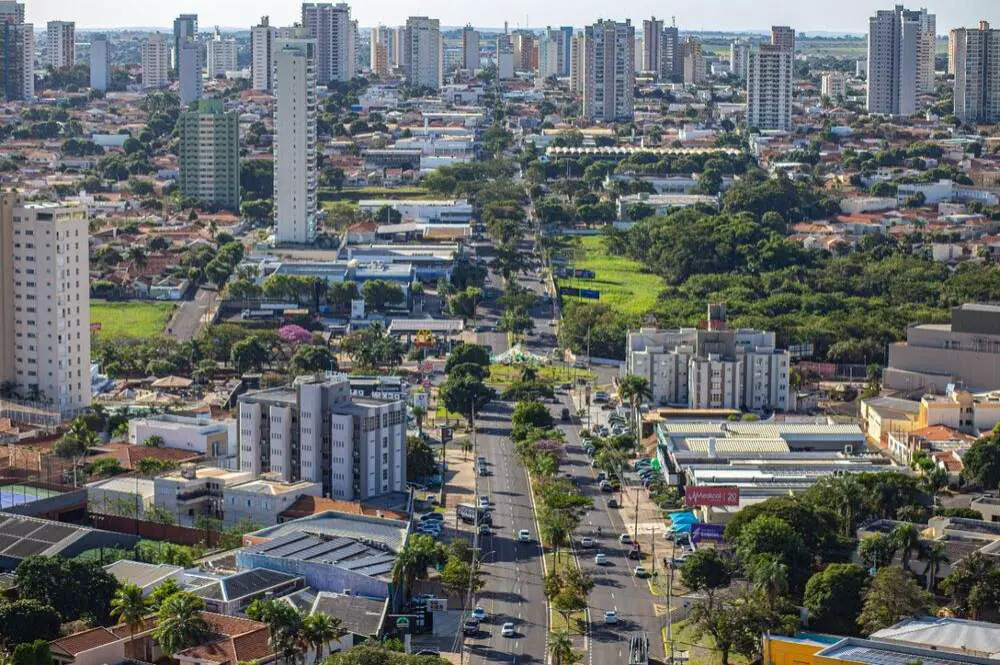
pixel 838 16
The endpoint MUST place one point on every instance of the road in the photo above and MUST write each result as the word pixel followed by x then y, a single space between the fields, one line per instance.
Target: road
pixel 513 570
pixel 190 315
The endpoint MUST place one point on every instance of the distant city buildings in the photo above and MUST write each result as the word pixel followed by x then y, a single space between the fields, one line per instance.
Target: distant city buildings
pixel 17 53
pixel 329 25
pixel 209 155
pixel 155 62
pixel 100 63
pixel 185 28
pixel 652 44
pixel 901 48
pixel 609 71
pixel 694 68
pixel 262 38
pixel 221 55
pixel 770 87
pixel 783 37
pixel 975 59
pixel 833 85
pixel 422 59
pixel 470 49
pixel 190 72
pixel 60 44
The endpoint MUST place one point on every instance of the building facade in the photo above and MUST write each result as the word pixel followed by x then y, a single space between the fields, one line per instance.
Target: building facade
pixel 609 76
pixel 155 62
pixel 695 70
pixel 739 58
pixel 783 37
pixel 262 38
pixel 100 63
pixel 189 72
pixel 652 44
pixel 975 57
pixel 901 47
pixel 329 25
pixel 315 430
pixel 295 141
pixel 17 51
pixel 185 28
pixel 422 61
pixel 770 87
pixel 60 44
pixel 833 85
pixel 45 296
pixel 470 49
pixel 221 56
pixel 671 55
pixel 209 155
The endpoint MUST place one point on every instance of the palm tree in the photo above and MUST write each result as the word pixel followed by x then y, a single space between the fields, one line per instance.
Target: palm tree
pixel 934 555
pixel 935 481
pixel 179 623
pixel 561 648
pixel 129 606
pixel 318 630
pixel 770 576
pixel 907 540
pixel 418 414
pixel 635 389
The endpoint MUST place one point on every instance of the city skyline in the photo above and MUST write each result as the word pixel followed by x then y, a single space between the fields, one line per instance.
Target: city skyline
pixel 848 16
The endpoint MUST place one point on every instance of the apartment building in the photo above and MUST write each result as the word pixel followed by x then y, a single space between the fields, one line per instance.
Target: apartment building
pixel 421 44
pixel 470 49
pixel 609 77
pixel 549 48
pixel 770 85
pixel 833 85
pixel 295 141
pixel 671 54
pixel 45 301
pixel 221 55
pixel 155 61
pixel 901 46
pixel 100 63
pixel 525 50
pixel 329 25
pixel 261 500
pixel 383 53
pixel 209 154
pixel 314 430
pixel 214 439
pixel 262 38
pixel 976 63
pixel 739 58
pixel 192 62
pixel 17 53
pixel 185 28
pixel 652 44
pixel 60 44
pixel 194 491
pixel 783 37
pixel 695 71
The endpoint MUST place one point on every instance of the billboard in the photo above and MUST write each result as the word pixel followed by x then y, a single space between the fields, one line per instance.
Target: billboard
pixel 592 294
pixel 710 532
pixel 712 495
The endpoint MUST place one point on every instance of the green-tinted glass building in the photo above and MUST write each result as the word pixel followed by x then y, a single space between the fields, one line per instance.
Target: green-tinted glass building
pixel 210 155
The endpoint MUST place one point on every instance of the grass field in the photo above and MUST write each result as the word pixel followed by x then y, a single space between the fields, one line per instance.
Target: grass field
pixel 621 281
pixel 130 319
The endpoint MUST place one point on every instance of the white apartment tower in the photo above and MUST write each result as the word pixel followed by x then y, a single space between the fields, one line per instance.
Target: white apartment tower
pixel 295 141
pixel 421 46
pixel 155 62
pixel 100 63
pixel 549 47
pixel 652 44
pixel 977 73
pixel 316 431
pixel 262 38
pixel 17 52
pixel 221 57
pixel 329 25
pixel 609 76
pixel 470 49
pixel 694 69
pixel 191 62
pixel 901 47
pixel 60 44
pixel 45 300
pixel 739 56
pixel 769 87
pixel 833 85
pixel 578 64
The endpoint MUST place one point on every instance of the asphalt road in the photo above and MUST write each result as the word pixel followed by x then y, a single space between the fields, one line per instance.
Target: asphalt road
pixel 189 316
pixel 513 570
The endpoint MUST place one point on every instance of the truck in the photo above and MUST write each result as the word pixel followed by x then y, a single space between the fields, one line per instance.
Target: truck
pixel 469 514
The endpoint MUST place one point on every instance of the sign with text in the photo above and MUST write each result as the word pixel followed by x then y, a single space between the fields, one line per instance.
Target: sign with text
pixel 710 532
pixel 712 495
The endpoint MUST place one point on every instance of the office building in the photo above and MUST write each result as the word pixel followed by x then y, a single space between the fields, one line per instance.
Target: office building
pixel 155 62
pixel 695 70
pixel 769 87
pixel 900 59
pixel 221 55
pixel 609 77
pixel 422 62
pixel 185 28
pixel 470 49
pixel 100 63
pixel 715 368
pixel 833 85
pixel 262 38
pixel 671 55
pixel 934 356
pixel 295 141
pixel 314 430
pixel 209 155
pixel 329 25
pixel 783 37
pixel 45 302
pixel 652 44
pixel 17 53
pixel 190 72
pixel 739 57
pixel 60 44
pixel 976 53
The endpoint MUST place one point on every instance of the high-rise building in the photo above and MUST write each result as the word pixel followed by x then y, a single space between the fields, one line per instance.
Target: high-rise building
pixel 155 62
pixel 315 430
pixel 783 36
pixel 523 43
pixel 45 302
pixel 505 58
pixel 549 47
pixel 185 28
pixel 17 53
pixel 952 44
pixel 190 72
pixel 671 55
pixel 221 55
pixel 262 38
pixel 900 59
pixel 652 44
pixel 977 74
pixel 329 25
pixel 769 87
pixel 565 49
pixel 609 77
pixel 100 63
pixel 739 56
pixel 694 62
pixel 470 49
pixel 295 141
pixel 60 44
pixel 578 64
pixel 833 85
pixel 422 61
pixel 382 47
pixel 209 154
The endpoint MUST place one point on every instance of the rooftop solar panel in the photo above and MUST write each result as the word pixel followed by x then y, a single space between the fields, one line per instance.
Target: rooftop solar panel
pixel 27 547
pixel 19 527
pixel 293 547
pixel 53 533
pixel 6 541
pixel 364 562
pixel 323 547
pixel 376 569
pixel 342 553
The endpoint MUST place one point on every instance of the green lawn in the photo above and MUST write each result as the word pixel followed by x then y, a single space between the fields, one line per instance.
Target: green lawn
pixel 621 281
pixel 130 319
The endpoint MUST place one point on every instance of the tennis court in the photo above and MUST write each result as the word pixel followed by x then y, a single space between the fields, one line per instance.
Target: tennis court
pixel 15 495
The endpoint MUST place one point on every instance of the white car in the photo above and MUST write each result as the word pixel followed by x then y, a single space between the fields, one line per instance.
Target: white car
pixel 484 502
pixel 610 617
pixel 600 559
pixel 524 536
pixel 639 571
pixel 507 630
pixel 586 541
pixel 625 539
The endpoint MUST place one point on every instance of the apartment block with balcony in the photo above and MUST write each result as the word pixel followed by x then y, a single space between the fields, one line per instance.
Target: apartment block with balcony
pixel 295 177
pixel 209 155
pixel 194 491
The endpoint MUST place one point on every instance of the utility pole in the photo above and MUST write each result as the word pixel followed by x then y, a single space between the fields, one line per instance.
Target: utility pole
pixel 637 514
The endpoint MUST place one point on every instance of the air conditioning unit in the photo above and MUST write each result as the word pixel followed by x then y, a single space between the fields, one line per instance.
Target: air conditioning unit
pixel 849 449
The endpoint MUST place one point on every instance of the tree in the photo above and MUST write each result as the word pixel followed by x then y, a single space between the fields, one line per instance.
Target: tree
pixel 419 458
pixel 877 551
pixel 982 461
pixel 418 413
pixel 735 627
pixel 767 535
pixel 341 294
pixel 154 441
pixel 769 575
pixel 373 347
pixel 465 395
pixel 248 354
pixel 974 584
pixel 907 541
pixel 892 597
pixel 528 414
pixel 635 390
pixel 311 358
pixel 379 293
pixel 179 623
pixel 72 587
pixel 129 607
pixel 464 352
pixel 163 591
pixel 77 440
pixel 319 629
pixel 561 648
pixel 706 571
pixel 834 597
pixel 419 553
pixel 459 578
pixel 934 555
pixel 36 652
pixel 27 620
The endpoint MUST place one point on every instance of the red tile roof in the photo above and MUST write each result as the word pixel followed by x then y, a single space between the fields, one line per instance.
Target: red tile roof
pixel 71 645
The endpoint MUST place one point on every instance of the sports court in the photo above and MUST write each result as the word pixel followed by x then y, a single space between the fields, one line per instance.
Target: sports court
pixel 16 495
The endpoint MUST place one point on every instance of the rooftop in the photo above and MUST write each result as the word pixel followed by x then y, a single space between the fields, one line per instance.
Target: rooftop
pixel 242 585
pixel 141 574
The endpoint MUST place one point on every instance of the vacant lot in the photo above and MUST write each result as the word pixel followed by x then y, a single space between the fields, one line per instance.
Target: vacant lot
pixel 621 281
pixel 130 319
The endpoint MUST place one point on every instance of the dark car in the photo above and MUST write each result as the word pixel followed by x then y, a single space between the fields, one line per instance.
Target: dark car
pixel 565 415
pixel 470 627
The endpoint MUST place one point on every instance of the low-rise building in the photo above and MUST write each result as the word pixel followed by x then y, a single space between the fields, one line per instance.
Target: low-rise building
pixel 458 211
pixel 261 501
pixel 195 491
pixel 146 576
pixel 230 594
pixel 208 437
pixel 121 495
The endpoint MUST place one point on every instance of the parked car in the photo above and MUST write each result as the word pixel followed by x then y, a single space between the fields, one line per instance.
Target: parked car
pixel 600 559
pixel 612 502
pixel 605 486
pixel 432 517
pixel 484 530
pixel 484 502
pixel 524 536
pixel 610 618
pixel 636 555
pixel 587 541
pixel 479 614
pixel 639 571
pixel 565 415
pixel 470 627
pixel 625 539
pixel 508 630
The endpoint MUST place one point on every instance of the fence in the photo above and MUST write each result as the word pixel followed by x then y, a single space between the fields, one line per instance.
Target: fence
pixel 180 535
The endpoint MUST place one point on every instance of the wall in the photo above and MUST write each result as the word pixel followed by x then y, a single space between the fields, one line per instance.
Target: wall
pixel 175 534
